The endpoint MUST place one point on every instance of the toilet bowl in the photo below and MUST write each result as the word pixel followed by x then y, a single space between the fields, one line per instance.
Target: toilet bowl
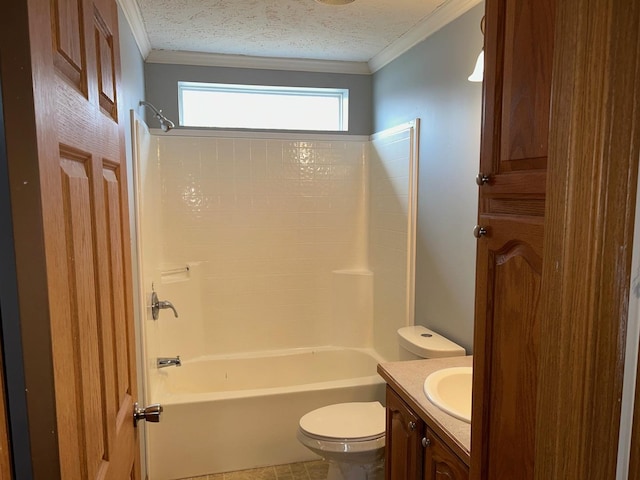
pixel 351 436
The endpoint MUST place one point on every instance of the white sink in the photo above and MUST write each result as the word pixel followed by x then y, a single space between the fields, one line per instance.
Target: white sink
pixel 450 390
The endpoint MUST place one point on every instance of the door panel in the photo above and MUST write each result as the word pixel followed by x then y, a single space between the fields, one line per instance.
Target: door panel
pixel 68 40
pixel 81 368
pixel 526 78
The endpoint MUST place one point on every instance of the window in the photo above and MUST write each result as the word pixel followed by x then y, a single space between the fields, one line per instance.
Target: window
pixel 262 107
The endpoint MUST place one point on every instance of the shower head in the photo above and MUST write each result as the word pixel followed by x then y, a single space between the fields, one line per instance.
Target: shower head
pixel 165 123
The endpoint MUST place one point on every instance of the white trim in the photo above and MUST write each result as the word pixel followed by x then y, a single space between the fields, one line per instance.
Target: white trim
pixel 443 15
pixel 259 134
pixel 263 63
pixel 413 127
pixel 394 130
pixel 134 19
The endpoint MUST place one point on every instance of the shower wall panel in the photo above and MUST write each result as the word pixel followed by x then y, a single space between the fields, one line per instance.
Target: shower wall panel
pixel 392 236
pixel 269 219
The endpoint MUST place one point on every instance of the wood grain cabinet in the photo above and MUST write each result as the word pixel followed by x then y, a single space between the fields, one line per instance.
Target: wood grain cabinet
pixel 403 449
pixel 510 231
pixel 440 463
pixel 413 450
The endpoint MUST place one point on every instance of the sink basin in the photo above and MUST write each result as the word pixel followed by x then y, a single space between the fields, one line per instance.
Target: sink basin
pixel 449 389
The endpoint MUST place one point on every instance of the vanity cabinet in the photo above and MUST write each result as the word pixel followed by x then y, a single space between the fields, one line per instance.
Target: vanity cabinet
pixel 413 450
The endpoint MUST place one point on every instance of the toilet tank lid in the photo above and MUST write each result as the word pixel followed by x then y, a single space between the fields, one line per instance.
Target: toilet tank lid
pixel 426 343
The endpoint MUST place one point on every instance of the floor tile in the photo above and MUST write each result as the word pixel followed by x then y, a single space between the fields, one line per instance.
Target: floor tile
pixel 267 473
pixel 314 470
pixel 317 470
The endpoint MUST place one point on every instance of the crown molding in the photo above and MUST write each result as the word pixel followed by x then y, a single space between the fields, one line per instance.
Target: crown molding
pixel 134 18
pixel 264 63
pixel 427 27
pixel 443 15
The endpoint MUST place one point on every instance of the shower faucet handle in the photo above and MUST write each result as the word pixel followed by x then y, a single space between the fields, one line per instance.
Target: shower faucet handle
pixel 164 304
pixel 157 305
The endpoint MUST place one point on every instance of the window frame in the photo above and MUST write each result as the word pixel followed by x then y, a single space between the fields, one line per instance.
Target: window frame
pixel 342 94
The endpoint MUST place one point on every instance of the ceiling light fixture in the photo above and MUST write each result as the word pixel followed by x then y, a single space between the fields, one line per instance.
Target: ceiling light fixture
pixel 478 71
pixel 335 2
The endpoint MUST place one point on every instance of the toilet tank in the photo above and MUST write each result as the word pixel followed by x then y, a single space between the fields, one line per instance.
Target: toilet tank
pixel 420 342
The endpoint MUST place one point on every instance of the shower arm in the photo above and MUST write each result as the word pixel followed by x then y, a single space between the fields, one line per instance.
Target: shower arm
pixel 165 123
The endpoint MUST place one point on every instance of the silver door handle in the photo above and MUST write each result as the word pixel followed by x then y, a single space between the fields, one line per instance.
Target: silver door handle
pixel 150 414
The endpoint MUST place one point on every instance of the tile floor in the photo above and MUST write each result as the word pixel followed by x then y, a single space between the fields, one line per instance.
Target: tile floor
pixel 316 470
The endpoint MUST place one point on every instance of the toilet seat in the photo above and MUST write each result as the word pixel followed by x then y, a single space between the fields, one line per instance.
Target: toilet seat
pixel 345 422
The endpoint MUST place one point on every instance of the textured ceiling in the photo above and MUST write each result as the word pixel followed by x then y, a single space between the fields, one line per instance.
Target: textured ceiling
pixel 282 28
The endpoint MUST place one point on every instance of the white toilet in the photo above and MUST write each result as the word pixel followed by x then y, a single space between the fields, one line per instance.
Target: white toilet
pixel 350 436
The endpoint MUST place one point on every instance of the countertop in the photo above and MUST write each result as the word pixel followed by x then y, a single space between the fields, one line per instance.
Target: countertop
pixel 407 379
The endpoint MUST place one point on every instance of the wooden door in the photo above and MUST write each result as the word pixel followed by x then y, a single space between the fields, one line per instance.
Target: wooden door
pixel 593 169
pixel 5 462
pixel 514 150
pixel 403 451
pixel 61 79
pixel 440 463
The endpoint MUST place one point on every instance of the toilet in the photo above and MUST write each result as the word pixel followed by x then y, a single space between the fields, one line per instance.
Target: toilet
pixel 351 436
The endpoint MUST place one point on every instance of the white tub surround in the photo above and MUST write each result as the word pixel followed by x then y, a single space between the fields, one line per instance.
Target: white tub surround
pixel 293 242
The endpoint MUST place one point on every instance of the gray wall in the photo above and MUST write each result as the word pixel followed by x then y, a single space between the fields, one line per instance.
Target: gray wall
pixel 162 87
pixel 430 82
pixel 132 72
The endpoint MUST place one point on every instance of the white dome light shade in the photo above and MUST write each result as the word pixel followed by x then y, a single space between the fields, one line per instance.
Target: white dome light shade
pixel 478 71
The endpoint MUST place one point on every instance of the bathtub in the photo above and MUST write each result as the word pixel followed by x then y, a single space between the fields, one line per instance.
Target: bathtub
pixel 226 413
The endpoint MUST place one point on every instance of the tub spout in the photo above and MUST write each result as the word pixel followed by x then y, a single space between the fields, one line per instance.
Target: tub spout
pixel 169 361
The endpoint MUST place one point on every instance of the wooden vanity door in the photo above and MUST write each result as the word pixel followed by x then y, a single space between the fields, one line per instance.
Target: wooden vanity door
pixel 403 450
pixel 440 463
pixel 517 87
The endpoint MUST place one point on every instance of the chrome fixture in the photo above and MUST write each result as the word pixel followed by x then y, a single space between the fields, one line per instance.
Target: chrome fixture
pixel 481 179
pixel 157 305
pixel 150 414
pixel 174 271
pixel 163 362
pixel 165 123
pixel 479 231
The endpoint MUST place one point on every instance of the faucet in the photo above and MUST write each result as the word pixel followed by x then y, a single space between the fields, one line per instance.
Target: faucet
pixel 157 305
pixel 163 362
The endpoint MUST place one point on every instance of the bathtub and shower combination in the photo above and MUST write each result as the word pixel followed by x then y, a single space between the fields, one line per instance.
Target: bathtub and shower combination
pixel 309 326
pixel 235 412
